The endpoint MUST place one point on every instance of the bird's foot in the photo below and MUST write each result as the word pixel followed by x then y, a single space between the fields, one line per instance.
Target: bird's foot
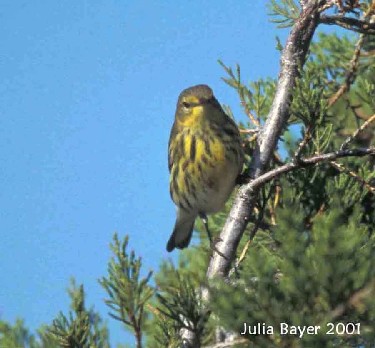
pixel 214 248
pixel 242 179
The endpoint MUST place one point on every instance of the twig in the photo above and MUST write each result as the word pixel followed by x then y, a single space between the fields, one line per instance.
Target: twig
pixel 243 103
pixel 189 338
pixel 350 74
pixel 249 131
pixel 326 6
pixel 354 300
pixel 347 5
pixel 359 130
pixel 305 162
pixel 243 253
pixel 353 175
pixel 350 23
pixel 228 344
pixel 275 204
pixel 249 113
pixel 319 212
pixel 367 54
pixel 303 143
pixel 254 230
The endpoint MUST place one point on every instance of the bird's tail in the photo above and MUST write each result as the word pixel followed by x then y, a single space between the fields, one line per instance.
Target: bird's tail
pixel 183 230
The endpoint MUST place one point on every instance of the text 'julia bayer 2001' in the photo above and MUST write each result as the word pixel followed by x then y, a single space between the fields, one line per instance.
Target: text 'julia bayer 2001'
pixel 301 330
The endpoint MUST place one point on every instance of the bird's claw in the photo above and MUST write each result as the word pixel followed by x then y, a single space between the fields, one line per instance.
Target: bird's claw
pixel 214 248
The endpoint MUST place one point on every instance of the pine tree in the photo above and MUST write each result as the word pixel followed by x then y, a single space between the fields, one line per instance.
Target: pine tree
pixel 82 328
pixel 18 335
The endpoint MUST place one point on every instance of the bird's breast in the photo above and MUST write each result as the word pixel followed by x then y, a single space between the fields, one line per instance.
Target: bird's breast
pixel 206 171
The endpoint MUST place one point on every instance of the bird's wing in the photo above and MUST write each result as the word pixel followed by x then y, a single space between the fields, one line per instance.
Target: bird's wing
pixel 170 148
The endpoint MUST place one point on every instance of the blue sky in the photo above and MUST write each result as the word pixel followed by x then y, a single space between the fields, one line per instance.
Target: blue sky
pixel 87 99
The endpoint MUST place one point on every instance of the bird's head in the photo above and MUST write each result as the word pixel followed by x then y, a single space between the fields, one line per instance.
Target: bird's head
pixel 196 104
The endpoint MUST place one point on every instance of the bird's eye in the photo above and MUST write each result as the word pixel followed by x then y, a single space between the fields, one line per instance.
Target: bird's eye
pixel 186 105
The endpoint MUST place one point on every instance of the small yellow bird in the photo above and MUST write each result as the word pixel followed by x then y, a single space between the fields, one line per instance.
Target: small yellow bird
pixel 205 157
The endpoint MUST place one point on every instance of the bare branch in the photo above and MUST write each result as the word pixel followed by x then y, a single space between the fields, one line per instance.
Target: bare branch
pixel 189 338
pixel 305 162
pixel 356 300
pixel 248 111
pixel 292 59
pixel 353 175
pixel 229 344
pixel 359 130
pixel 302 3
pixel 257 225
pixel 350 23
pixel 303 143
pixel 350 74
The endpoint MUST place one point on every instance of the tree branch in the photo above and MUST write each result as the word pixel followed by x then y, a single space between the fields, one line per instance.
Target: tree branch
pixel 229 344
pixel 350 74
pixel 350 23
pixel 358 131
pixel 301 163
pixel 355 300
pixel 292 59
pixel 353 175
pixel 305 162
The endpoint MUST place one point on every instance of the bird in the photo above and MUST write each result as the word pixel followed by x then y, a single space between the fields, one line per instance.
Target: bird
pixel 205 157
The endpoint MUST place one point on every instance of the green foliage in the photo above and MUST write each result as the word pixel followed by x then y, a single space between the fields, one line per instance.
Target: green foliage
pixel 18 335
pixel 128 293
pixel 365 91
pixel 331 54
pixel 309 104
pixel 309 277
pixel 332 57
pixel 257 97
pixel 285 12
pixel 81 328
pixel 181 305
pixel 178 304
